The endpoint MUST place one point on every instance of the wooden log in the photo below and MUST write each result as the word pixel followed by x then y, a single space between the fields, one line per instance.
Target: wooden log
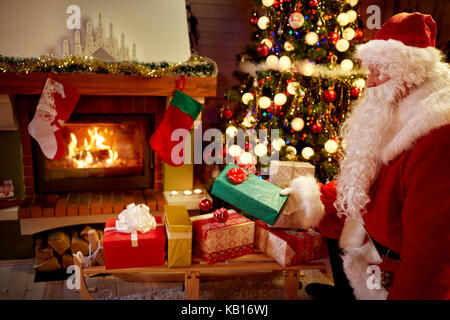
pixel 85 231
pixel 51 264
pixel 66 260
pixel 79 244
pixel 59 241
pixel 42 251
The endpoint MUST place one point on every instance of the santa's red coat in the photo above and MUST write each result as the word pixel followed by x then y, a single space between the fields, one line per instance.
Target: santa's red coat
pixel 409 213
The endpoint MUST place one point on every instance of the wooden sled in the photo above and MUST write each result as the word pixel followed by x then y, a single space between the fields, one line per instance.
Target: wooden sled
pixel 248 264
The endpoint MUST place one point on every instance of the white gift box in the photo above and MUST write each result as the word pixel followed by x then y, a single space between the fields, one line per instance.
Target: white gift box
pixel 283 172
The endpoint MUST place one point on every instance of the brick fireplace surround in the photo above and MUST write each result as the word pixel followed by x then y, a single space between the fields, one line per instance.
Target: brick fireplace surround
pixel 100 94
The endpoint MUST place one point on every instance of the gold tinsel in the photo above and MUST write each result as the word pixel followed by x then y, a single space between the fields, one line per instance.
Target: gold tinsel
pixel 197 66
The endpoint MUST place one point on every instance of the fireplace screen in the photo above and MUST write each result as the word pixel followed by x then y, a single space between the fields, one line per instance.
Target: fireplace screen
pixel 98 153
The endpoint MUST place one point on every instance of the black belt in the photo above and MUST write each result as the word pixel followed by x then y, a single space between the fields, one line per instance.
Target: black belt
pixel 384 251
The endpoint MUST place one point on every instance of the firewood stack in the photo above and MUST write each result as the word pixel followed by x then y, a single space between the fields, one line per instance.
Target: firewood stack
pixel 54 250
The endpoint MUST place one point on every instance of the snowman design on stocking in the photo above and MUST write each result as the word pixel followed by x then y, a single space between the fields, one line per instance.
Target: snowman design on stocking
pixel 55 106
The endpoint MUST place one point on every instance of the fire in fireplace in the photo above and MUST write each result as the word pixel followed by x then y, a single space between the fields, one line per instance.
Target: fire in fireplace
pixel 101 152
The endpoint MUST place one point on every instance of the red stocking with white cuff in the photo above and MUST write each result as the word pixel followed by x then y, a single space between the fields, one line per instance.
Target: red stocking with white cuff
pixel 55 106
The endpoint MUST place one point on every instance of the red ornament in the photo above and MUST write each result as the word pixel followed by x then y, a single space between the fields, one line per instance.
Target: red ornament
pixel 274 109
pixel 204 205
pixel 254 20
pixel 359 34
pixel 355 92
pixel 317 127
pixel 313 3
pixel 221 215
pixel 262 50
pixel 333 38
pixel 329 95
pixel 228 113
pixel 237 175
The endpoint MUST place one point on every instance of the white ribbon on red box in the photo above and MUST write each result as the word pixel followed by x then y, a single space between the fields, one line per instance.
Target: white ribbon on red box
pixel 133 219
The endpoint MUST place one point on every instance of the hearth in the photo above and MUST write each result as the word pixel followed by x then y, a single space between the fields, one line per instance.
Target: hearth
pixel 102 152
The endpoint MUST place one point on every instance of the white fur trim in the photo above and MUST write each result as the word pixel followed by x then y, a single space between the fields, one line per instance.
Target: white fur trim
pixel 422 111
pixel 410 64
pixel 307 190
pixel 357 258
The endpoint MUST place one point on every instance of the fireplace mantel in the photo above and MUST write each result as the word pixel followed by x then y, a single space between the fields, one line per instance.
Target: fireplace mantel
pixel 108 85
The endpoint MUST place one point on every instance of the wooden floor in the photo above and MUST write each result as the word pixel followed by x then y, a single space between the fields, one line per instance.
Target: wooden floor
pixel 17 283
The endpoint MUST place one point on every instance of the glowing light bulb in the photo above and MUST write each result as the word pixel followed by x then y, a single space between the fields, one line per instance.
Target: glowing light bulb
pixel 268 3
pixel 173 193
pixel 246 158
pixel 247 97
pixel 311 38
pixel 277 144
pixel 292 87
pixel 263 22
pixel 280 99
pixel 331 146
pixel 187 192
pixel 285 63
pixel 343 19
pixel 342 45
pixel 307 69
pixel 198 191
pixel 297 124
pixel 272 61
pixel 360 83
pixel 347 65
pixel 307 153
pixel 264 102
pixel 231 131
pixel 235 150
pixel 352 15
pixel 260 149
pixel 348 34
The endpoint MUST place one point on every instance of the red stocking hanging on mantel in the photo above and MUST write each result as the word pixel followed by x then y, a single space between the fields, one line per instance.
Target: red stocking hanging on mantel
pixel 55 106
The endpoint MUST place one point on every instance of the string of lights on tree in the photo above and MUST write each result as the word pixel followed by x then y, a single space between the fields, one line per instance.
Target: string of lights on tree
pixel 297 75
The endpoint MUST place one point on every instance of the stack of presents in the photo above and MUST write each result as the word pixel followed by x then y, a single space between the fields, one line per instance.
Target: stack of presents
pixel 266 223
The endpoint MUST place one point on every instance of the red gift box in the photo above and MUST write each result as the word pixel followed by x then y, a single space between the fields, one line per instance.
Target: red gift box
pixel 121 253
pixel 216 241
pixel 289 247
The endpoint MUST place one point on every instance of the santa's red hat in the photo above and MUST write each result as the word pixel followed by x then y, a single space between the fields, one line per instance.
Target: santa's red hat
pixel 403 47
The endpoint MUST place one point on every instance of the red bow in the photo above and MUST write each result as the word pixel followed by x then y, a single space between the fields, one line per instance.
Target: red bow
pixel 221 215
pixel 237 175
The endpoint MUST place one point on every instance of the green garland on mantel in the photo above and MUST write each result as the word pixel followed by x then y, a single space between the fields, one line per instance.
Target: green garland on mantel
pixel 195 66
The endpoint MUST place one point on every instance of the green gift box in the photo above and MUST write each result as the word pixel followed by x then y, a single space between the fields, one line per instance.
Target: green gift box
pixel 256 196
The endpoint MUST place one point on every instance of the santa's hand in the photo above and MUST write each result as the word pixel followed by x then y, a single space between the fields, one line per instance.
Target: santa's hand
pixel 304 198
pixel 286 191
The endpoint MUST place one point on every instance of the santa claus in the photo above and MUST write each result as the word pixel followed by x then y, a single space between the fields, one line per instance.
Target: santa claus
pixel 390 205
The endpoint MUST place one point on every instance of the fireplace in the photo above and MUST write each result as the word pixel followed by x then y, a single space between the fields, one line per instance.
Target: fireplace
pixel 101 172
pixel 102 152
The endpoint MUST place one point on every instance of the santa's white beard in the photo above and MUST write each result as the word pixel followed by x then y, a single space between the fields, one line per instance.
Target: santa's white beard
pixel 364 132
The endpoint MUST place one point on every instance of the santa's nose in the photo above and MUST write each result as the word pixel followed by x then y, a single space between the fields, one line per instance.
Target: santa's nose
pixel 371 81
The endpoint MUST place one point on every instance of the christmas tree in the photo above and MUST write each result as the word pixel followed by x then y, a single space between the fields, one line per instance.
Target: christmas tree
pixel 297 76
